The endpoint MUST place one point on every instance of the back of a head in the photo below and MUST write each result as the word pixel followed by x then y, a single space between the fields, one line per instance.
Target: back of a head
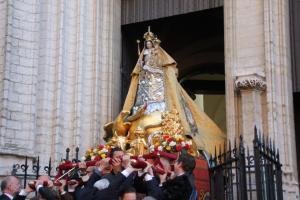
pixel 7 181
pixel 4 183
pixel 128 193
pixel 44 178
pixel 47 194
pixel 149 198
pixel 188 162
pixel 10 185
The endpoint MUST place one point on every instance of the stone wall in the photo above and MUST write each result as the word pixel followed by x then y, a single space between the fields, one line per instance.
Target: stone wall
pixel 60 72
pixel 258 78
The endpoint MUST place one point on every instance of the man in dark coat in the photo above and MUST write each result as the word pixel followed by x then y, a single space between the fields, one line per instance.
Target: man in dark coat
pixel 45 192
pixel 109 186
pixel 178 188
pixel 102 184
pixel 10 187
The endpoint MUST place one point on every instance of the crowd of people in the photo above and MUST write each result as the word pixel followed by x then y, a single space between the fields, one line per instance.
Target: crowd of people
pixel 113 179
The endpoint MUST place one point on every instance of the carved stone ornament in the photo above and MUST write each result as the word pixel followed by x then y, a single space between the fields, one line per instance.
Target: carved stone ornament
pixel 252 82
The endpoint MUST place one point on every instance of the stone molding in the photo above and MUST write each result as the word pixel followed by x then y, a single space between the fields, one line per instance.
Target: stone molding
pixel 251 82
pixel 18 153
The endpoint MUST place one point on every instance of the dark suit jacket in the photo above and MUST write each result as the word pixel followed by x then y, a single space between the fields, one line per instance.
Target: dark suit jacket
pixel 150 188
pixel 47 194
pixel 66 196
pixel 17 197
pixel 4 197
pixel 129 181
pixel 110 193
pixel 87 190
pixel 177 189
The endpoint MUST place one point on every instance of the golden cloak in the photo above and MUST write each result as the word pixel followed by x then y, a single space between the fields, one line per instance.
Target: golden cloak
pixel 195 122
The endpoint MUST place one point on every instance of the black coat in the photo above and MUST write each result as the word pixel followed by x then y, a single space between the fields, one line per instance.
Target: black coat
pixel 47 193
pixel 4 197
pixel 17 197
pixel 178 188
pixel 112 192
pixel 87 190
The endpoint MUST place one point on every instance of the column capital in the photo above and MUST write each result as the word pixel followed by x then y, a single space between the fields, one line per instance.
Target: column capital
pixel 250 82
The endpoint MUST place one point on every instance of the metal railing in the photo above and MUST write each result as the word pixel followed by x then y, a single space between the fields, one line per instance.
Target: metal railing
pixel 241 173
pixel 32 172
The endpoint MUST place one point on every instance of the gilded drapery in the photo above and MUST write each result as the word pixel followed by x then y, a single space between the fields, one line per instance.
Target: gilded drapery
pixel 195 122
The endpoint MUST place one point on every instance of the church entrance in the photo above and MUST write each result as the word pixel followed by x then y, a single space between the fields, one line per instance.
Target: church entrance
pixel 196 41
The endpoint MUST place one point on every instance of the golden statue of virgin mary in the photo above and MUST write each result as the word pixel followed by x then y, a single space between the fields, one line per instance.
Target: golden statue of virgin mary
pixel 156 103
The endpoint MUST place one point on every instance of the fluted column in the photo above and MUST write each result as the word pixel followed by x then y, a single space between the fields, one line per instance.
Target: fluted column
pixel 109 61
pixel 79 73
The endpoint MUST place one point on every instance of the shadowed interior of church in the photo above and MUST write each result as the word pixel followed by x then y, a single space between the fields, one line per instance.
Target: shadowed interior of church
pixel 295 61
pixel 196 42
pixel 297 126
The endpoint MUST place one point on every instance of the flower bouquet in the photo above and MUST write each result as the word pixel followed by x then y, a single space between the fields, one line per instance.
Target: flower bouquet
pixel 97 153
pixel 171 144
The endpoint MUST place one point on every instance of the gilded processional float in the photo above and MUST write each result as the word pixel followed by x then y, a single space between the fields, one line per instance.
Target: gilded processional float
pixel 157 106
pixel 159 119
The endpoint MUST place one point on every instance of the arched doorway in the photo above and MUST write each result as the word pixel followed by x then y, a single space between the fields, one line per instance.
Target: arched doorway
pixel 196 41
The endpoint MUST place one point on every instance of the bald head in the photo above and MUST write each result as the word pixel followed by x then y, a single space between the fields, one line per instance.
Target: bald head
pixel 10 185
pixel 44 178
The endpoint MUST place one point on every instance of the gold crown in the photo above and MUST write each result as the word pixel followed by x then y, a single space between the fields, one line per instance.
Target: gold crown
pixel 156 40
pixel 148 36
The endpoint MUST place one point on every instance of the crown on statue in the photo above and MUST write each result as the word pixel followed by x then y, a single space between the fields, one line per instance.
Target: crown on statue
pixel 149 36
pixel 156 40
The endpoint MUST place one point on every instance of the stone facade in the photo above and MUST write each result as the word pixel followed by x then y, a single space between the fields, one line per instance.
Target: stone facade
pixel 258 78
pixel 60 76
pixel 60 72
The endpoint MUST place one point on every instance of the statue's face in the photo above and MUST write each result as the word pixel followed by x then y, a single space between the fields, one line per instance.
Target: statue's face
pixel 149 45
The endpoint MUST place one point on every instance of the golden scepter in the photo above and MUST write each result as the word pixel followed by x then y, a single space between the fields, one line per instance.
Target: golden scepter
pixel 65 174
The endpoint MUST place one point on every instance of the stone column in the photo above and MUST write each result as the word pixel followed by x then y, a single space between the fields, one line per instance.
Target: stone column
pixel 3 30
pixel 20 23
pixel 244 54
pixel 109 61
pixel 78 73
pixel 257 49
pixel 250 89
pixel 60 76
